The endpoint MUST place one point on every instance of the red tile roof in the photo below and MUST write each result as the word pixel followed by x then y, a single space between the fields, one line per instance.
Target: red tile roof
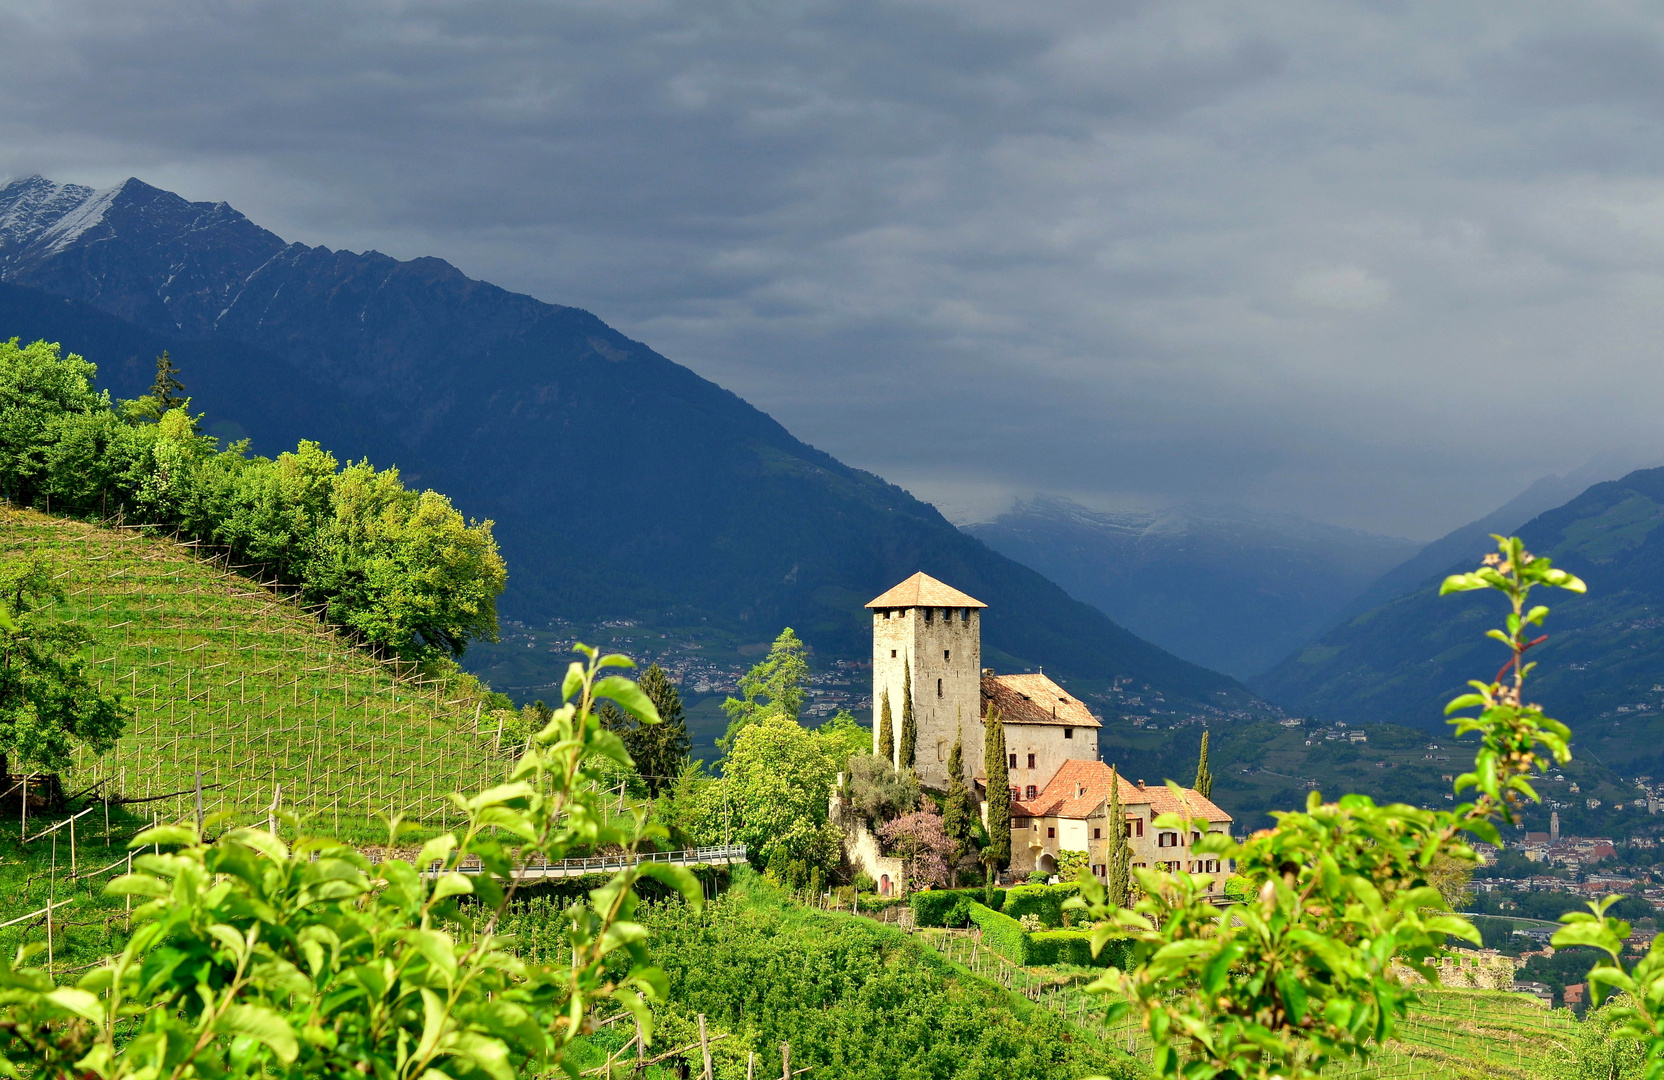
pixel 1034 699
pixel 922 590
pixel 1081 790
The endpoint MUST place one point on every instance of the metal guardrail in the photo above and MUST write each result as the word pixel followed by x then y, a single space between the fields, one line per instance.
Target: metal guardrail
pixel 601 864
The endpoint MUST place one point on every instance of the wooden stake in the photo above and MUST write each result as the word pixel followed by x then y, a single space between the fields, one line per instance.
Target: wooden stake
pixel 705 1047
pixel 786 1061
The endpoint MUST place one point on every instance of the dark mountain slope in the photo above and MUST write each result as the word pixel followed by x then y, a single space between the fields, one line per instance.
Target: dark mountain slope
pixel 1470 542
pixel 1602 666
pixel 1226 587
pixel 623 484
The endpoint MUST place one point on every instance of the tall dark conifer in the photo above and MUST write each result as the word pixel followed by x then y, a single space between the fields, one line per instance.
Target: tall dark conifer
pixel 998 852
pixel 167 387
pixel 909 726
pixel 959 813
pixel 664 746
pixel 1204 777
pixel 1118 857
pixel 886 731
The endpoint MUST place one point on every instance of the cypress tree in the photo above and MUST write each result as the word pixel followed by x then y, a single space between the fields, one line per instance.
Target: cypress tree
pixel 998 851
pixel 664 746
pixel 909 726
pixel 1204 778
pixel 960 811
pixel 886 732
pixel 1118 858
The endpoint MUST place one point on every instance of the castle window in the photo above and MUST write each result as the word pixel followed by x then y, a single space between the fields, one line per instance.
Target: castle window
pixel 928 612
pixel 1013 761
pixel 1097 834
pixel 1031 761
pixel 1016 793
pixel 946 655
pixel 1068 733
pixel 886 613
pixel 964 614
pixel 938 687
pixel 1138 825
pixel 1032 793
pixel 1051 833
pixel 892 654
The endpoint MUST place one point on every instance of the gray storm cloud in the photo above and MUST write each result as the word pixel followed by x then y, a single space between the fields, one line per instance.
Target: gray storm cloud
pixel 1377 264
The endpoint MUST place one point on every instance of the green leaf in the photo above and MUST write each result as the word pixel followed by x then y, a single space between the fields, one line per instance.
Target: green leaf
pixel 262 1025
pixel 79 1002
pixel 137 885
pixel 573 682
pixel 179 835
pixel 679 878
pixel 452 884
pixel 629 696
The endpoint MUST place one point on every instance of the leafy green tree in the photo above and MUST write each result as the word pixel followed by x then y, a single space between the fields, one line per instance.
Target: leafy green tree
pixel 48 704
pixel 886 729
pixel 41 392
pixel 775 687
pixel 1118 857
pixel 877 790
pixel 250 958
pixel 778 777
pixel 1204 778
pixel 997 853
pixel 661 749
pixel 959 810
pixel 908 756
pixel 844 736
pixel 166 389
pixel 1306 972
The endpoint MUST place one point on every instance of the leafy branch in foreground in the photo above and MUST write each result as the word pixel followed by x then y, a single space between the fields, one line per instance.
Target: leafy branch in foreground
pixel 1309 969
pixel 254 958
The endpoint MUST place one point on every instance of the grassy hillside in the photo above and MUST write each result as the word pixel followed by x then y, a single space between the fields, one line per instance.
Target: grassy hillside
pixel 230 679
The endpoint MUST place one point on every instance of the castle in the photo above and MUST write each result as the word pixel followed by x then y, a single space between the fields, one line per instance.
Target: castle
pixel 927 656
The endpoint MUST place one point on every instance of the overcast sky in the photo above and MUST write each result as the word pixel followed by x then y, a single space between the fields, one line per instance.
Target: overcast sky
pixel 1379 264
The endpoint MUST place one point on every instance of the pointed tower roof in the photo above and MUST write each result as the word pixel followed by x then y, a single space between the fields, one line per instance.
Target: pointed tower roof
pixel 922 590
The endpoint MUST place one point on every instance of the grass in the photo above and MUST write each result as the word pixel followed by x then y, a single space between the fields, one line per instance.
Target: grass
pixel 233 681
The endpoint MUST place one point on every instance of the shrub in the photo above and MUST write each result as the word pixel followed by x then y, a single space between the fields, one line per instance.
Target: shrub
pixel 1001 933
pixel 1075 947
pixel 1045 902
pixel 931 907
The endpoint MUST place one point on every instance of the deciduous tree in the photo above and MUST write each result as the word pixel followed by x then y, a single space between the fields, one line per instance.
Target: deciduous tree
pixel 48 703
pixel 774 687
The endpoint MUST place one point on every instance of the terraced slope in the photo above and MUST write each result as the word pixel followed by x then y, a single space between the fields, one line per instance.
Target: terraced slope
pixel 231 679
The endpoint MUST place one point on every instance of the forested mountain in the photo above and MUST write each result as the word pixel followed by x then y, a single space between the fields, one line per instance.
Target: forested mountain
pixel 1602 667
pixel 1226 587
pixel 1470 542
pixel 622 484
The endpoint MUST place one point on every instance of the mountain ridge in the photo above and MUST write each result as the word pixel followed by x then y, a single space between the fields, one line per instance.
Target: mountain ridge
pixel 1229 588
pixel 542 417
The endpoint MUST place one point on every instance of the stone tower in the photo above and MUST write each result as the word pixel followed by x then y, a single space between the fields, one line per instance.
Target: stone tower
pixel 934 633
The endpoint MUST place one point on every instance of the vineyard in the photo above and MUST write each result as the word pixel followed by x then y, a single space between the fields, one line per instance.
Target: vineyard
pixel 234 685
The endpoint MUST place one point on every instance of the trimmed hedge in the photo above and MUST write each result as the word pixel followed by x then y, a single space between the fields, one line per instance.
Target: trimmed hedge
pixel 1001 933
pixel 930 908
pixel 1046 901
pixel 1075 947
